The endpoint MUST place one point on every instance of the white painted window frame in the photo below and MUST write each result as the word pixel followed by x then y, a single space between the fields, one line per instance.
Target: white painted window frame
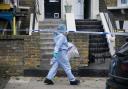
pixel 120 4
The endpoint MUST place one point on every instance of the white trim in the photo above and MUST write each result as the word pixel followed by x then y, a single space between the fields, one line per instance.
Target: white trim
pixel 30 25
pixel 94 9
pixel 117 7
pixel 41 8
pixel 110 38
pixel 62 9
pixel 70 22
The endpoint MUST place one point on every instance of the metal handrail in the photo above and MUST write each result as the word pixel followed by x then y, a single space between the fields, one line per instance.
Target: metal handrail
pixel 106 18
pixel 110 37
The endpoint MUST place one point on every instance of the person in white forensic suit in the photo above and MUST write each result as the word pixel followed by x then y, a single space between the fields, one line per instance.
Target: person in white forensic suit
pixel 60 58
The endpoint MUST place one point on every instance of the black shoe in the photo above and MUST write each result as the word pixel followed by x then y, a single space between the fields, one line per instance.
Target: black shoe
pixel 48 82
pixel 76 82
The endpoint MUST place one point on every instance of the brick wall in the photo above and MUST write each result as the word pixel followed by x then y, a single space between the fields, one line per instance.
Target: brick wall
pixel 26 2
pixel 120 40
pixel 18 53
pixel 81 41
pixel 118 15
pixel 111 2
pixel 102 6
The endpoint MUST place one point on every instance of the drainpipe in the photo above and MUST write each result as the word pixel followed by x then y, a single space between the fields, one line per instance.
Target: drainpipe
pixel 14 21
pixel 14 16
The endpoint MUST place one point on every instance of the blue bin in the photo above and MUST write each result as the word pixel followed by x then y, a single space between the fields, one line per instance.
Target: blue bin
pixel 6 16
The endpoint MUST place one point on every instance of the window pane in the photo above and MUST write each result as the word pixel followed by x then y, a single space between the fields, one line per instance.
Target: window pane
pixel 124 1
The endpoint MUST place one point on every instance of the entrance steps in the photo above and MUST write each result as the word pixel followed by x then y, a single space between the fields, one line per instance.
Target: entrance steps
pixel 47 28
pixel 50 23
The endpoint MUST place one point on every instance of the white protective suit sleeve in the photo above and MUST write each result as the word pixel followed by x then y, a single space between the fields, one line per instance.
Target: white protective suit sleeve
pixel 59 41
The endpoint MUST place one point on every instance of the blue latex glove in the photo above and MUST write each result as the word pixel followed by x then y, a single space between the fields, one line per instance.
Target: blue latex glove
pixel 55 55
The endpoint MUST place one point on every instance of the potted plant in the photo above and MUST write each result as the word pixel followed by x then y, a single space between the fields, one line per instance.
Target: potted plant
pixel 68 7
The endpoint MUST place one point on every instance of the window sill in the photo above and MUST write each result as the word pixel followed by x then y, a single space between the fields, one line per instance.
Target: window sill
pixel 117 7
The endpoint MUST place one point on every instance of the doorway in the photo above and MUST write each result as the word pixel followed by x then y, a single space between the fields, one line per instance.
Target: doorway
pixel 52 9
pixel 87 9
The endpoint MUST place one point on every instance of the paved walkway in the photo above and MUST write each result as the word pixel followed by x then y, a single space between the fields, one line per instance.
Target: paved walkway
pixel 60 83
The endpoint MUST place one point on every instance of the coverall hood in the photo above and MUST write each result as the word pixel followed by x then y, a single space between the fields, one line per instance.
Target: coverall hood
pixel 61 28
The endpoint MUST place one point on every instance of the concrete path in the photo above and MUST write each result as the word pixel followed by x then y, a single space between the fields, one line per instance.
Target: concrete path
pixel 60 83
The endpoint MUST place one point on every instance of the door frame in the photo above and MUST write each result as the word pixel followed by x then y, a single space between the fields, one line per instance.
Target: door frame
pixel 60 13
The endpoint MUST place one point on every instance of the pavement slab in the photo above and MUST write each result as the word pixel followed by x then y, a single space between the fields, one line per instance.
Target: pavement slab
pixel 60 83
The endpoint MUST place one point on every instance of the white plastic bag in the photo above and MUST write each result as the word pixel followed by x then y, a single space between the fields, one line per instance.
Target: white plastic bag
pixel 72 51
pixel 52 61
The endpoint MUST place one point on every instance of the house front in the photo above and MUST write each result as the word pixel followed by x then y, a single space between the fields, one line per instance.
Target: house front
pixel 119 9
pixel 82 9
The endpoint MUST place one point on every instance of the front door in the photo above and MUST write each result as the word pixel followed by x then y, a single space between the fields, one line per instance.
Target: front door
pixel 87 9
pixel 52 9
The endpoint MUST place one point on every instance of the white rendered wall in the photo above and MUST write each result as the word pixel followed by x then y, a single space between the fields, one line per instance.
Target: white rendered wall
pixel 79 9
pixel 41 5
pixel 94 9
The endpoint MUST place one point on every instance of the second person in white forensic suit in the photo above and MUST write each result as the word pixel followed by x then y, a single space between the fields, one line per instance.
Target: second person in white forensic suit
pixel 60 57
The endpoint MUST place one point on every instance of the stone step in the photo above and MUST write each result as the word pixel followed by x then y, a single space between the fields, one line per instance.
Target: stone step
pixel 52 21
pixel 46 36
pixel 81 44
pixel 47 43
pixel 98 45
pixel 90 30
pixel 97 37
pixel 46 56
pixel 89 26
pixel 98 51
pixel 83 22
pixel 79 39
pixel 86 20
pixel 47 53
pixel 47 48
pixel 102 56
pixel 98 41
pixel 82 47
pixel 46 40
pixel 48 26
pixel 46 32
